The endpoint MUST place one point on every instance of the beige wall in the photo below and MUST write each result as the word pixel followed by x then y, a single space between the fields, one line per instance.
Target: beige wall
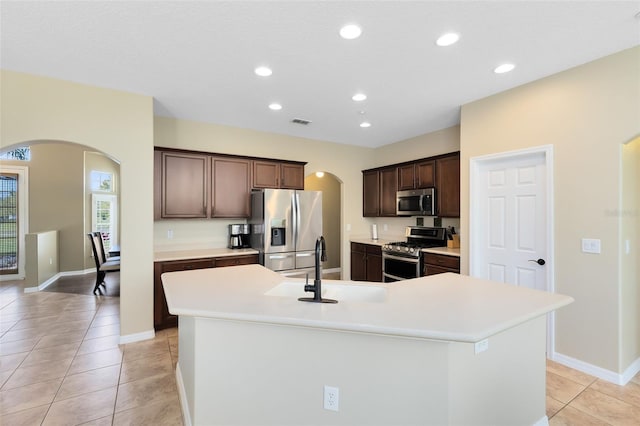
pixel 119 124
pixel 630 262
pixel 427 145
pixel 331 208
pixel 586 113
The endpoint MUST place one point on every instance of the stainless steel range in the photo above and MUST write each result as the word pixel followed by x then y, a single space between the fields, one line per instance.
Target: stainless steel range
pixel 402 260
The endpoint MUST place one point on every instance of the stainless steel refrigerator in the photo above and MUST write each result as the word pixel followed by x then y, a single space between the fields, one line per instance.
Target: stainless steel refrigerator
pixel 284 227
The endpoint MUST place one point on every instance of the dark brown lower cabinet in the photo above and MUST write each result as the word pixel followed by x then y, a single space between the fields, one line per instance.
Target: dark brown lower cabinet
pixel 366 262
pixel 439 263
pixel 161 316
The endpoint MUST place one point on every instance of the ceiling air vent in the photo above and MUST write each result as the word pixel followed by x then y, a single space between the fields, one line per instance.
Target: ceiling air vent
pixel 301 121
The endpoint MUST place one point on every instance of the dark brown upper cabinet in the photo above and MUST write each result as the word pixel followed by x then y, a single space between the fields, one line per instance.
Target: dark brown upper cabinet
pixel 370 193
pixel 379 186
pixel 231 187
pixel 184 185
pixel 379 189
pixel 190 184
pixel 416 175
pixel 448 185
pixel 278 174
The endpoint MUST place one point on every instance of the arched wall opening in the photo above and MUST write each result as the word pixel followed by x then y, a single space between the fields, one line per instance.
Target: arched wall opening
pixel 331 187
pixel 60 194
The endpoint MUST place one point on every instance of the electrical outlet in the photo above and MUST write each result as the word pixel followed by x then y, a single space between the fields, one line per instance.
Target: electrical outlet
pixel 385 227
pixel 331 398
pixel 170 234
pixel 590 245
pixel 50 261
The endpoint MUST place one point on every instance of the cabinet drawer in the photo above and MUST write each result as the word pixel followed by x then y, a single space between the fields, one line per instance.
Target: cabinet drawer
pixel 358 247
pixel 374 250
pixel 442 260
pixel 434 270
pixel 366 248
pixel 185 265
pixel 236 260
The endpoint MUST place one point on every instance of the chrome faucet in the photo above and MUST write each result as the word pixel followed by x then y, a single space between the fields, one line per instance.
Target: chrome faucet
pixel 316 288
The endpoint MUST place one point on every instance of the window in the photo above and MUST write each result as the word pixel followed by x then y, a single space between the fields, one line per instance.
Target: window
pixel 8 223
pixel 22 154
pixel 104 214
pixel 101 181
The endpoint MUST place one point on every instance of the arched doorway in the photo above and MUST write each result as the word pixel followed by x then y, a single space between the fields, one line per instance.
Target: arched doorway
pixel 331 188
pixel 60 200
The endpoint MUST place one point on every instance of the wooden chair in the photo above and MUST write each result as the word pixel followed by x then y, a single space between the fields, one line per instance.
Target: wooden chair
pixel 102 266
pixel 105 255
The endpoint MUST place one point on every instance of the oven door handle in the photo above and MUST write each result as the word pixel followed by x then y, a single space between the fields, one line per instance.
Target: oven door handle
pixel 395 277
pixel 402 259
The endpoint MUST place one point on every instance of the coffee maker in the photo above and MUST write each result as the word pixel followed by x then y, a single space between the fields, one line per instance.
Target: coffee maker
pixel 238 236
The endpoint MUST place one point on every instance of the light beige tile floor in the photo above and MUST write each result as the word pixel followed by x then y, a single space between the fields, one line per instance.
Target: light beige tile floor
pixel 61 364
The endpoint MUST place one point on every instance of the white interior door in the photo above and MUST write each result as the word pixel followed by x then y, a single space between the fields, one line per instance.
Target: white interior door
pixel 511 220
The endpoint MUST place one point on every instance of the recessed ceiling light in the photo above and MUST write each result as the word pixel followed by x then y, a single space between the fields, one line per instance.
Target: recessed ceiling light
pixel 501 69
pixel 275 107
pixel 365 124
pixel 359 97
pixel 447 39
pixel 263 71
pixel 350 31
pixel 320 174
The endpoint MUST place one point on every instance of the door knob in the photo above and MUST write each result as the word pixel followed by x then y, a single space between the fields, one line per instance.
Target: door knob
pixel 539 261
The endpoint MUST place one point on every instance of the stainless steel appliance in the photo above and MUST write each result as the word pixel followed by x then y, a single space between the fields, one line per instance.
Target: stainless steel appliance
pixel 402 260
pixel 285 225
pixel 416 202
pixel 239 236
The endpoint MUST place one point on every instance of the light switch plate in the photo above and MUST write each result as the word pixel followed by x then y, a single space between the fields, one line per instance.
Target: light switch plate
pixel 591 245
pixel 481 346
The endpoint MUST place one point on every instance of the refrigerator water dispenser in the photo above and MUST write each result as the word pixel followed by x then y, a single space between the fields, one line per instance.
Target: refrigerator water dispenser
pixel 278 236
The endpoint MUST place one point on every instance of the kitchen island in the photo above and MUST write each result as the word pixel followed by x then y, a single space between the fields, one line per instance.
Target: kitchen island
pixel 442 350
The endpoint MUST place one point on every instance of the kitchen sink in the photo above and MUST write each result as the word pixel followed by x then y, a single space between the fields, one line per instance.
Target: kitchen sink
pixel 340 292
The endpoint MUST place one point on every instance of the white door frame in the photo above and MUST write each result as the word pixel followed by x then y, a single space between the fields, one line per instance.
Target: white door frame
pixel 23 217
pixel 476 217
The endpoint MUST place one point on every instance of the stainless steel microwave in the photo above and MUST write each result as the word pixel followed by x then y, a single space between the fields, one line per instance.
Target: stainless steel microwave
pixel 416 202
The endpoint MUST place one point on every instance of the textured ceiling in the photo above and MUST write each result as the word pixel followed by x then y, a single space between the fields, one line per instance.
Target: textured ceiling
pixel 197 58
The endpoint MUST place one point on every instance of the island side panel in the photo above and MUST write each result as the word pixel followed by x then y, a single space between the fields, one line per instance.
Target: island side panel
pixel 256 373
pixel 504 385
pixel 186 365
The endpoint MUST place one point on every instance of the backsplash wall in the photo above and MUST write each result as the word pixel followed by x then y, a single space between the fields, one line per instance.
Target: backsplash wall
pixel 191 234
pixel 395 226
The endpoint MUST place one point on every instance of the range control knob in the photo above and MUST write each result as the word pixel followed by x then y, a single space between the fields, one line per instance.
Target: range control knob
pixel 411 250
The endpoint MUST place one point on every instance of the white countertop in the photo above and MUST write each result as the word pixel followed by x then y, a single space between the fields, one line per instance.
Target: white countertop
pixel 163 256
pixel 448 307
pixel 443 250
pixel 379 242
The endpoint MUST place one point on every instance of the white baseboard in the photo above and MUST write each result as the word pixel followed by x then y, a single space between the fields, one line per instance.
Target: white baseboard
pixel 182 394
pixel 54 278
pixel 136 337
pixel 599 372
pixel 80 272
pixel 631 371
